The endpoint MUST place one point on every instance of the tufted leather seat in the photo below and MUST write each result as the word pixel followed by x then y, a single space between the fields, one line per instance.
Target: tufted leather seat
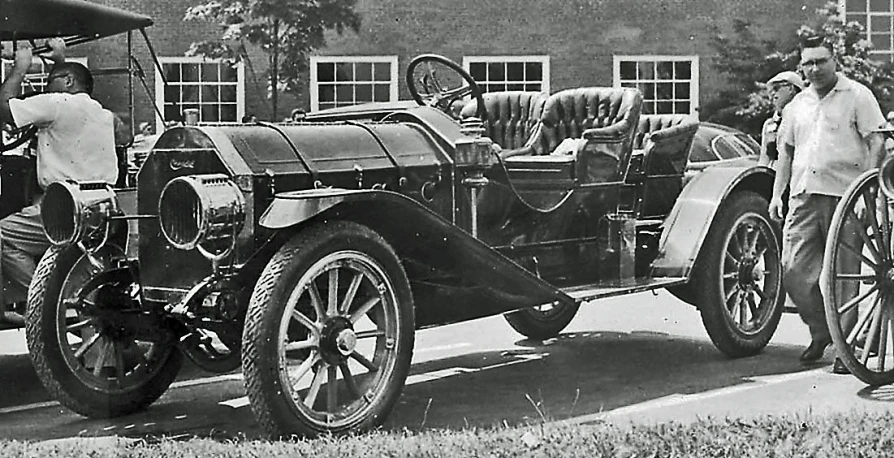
pixel 604 117
pixel 513 120
pixel 649 124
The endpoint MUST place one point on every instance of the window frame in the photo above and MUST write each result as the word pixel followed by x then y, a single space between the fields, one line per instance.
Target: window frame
pixel 888 53
pixel 160 85
pixel 544 60
pixel 693 74
pixel 393 94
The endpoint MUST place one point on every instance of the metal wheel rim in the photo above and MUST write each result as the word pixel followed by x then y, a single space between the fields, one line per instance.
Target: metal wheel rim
pixel 865 348
pixel 749 274
pixel 373 296
pixel 88 343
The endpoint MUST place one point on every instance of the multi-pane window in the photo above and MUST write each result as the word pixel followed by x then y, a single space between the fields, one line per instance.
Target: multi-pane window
pixel 216 89
pixel 877 16
pixel 669 84
pixel 36 79
pixel 509 73
pixel 338 81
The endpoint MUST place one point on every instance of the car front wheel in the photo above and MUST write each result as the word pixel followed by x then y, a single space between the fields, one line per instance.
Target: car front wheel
pixel 83 344
pixel 738 280
pixel 329 333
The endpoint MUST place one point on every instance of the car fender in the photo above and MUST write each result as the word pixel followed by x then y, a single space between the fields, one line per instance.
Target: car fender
pixel 421 237
pixel 688 223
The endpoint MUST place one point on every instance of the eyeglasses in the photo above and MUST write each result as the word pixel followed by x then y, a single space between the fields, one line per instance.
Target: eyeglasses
pixel 815 62
pixel 776 87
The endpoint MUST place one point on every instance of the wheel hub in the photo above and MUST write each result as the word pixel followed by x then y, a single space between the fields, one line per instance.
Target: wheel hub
pixel 748 271
pixel 338 340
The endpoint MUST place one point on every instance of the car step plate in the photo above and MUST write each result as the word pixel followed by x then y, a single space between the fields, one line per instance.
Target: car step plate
pixel 601 290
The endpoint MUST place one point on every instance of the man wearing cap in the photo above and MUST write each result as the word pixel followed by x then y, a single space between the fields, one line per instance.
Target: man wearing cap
pixel 783 88
pixel 827 139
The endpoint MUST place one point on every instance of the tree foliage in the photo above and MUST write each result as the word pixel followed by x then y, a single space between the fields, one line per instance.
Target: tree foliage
pixel 748 62
pixel 286 30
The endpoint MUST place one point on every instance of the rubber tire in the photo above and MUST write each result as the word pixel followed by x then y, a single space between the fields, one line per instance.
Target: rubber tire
pixel 532 323
pixel 259 342
pixel 706 274
pixel 49 363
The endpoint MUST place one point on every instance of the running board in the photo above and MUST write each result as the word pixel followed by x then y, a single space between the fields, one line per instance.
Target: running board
pixel 601 290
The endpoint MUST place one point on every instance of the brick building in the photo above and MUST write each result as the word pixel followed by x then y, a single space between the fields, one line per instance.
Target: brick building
pixel 661 46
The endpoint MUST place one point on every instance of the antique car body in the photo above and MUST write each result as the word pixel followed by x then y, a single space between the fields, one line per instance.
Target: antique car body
pixel 309 252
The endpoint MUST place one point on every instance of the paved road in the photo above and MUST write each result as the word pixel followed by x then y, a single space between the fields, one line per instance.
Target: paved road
pixel 642 358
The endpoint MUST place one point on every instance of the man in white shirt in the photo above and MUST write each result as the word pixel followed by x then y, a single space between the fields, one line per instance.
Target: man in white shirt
pixel 828 138
pixel 75 141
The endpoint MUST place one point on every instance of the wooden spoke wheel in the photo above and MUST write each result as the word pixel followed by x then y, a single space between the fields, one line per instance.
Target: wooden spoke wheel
pixel 738 281
pixel 329 333
pixel 858 281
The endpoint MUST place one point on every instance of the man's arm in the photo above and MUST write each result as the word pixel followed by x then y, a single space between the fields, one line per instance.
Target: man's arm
pixel 10 87
pixel 876 142
pixel 783 176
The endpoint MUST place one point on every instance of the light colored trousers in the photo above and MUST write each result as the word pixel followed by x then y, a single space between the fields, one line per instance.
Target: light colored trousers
pixel 22 244
pixel 804 241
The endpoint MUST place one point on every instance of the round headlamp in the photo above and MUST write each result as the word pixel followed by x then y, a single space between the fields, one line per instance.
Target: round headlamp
pixel 201 211
pixel 78 213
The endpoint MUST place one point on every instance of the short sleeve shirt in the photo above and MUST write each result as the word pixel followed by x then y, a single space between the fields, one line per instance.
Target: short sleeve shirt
pixel 75 137
pixel 828 135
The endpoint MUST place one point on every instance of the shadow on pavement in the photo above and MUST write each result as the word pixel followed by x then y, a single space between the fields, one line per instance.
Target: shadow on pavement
pixel 575 374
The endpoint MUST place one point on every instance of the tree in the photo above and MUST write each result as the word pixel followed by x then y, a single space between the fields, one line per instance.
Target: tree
pixel 286 30
pixel 748 62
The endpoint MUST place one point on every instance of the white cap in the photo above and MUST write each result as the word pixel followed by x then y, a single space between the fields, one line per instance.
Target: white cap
pixel 787 77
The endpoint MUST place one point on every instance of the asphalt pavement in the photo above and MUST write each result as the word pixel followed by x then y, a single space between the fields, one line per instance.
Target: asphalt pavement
pixel 643 358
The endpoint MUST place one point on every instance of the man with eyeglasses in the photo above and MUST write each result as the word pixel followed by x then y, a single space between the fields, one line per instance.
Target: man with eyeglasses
pixel 783 88
pixel 75 141
pixel 827 139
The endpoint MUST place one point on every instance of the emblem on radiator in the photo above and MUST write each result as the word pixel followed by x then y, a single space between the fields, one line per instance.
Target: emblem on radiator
pixel 179 164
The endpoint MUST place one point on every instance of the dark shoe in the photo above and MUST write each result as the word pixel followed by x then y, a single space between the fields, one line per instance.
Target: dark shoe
pixel 815 350
pixel 839 368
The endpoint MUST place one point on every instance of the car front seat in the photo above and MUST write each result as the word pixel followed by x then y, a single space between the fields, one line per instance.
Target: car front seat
pixel 513 121
pixel 603 118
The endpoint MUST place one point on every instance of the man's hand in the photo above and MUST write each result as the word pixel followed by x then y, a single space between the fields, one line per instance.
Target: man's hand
pixel 24 58
pixel 775 208
pixel 57 50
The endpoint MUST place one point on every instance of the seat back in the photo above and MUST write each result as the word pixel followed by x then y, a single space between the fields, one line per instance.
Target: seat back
pixel 605 117
pixel 513 118
pixel 650 123
pixel 568 113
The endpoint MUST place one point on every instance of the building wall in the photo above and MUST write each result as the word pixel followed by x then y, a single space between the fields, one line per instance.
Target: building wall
pixel 580 36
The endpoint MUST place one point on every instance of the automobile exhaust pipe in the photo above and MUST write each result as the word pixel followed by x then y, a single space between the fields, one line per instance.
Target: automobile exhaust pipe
pixel 886 177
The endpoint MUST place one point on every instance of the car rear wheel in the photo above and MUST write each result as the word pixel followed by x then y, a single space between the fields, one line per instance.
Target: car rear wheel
pixel 543 321
pixel 329 333
pixel 737 279
pixel 82 354
pixel 858 287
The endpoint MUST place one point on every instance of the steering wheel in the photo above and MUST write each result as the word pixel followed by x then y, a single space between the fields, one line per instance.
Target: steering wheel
pixel 16 137
pixel 442 90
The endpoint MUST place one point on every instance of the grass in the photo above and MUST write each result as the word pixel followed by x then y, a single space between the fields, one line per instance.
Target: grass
pixel 854 434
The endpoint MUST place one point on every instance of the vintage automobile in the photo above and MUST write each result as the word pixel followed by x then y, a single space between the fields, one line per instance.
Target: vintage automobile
pixel 310 252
